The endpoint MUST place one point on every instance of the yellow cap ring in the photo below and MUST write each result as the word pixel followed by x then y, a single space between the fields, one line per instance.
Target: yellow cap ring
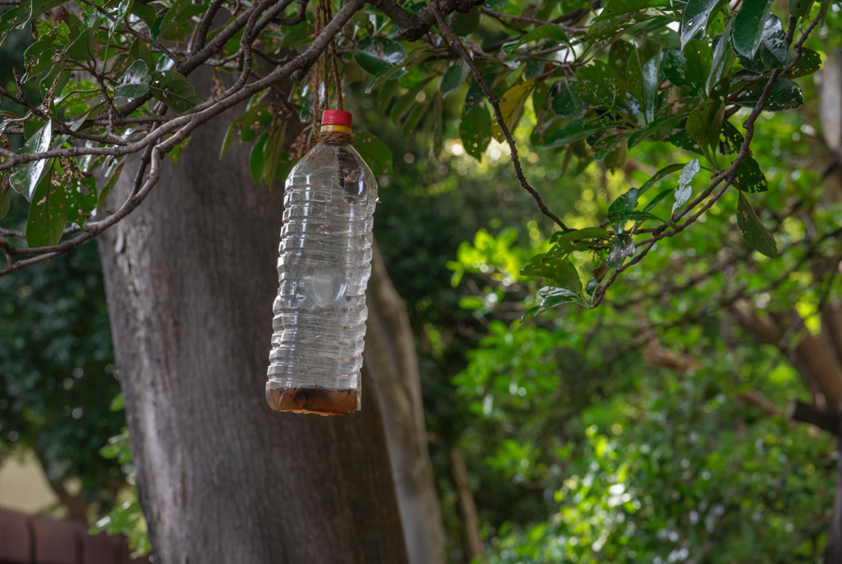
pixel 337 128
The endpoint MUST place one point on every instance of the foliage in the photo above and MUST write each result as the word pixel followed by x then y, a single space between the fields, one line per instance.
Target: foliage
pixel 634 117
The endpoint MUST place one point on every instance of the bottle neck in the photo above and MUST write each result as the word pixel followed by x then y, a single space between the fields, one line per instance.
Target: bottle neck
pixel 336 135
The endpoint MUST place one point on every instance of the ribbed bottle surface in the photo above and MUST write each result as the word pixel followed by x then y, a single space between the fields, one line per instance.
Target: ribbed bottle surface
pixel 324 265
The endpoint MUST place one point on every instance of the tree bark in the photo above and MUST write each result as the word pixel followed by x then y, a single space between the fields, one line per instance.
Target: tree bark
pixel 391 363
pixel 190 282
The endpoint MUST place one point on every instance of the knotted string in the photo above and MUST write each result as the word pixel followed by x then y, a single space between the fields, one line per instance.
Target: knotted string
pixel 326 68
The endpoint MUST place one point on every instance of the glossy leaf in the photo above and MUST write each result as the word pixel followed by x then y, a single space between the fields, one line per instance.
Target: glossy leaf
pixel 26 177
pixel 754 232
pixel 558 270
pixel 621 248
pixel 576 131
pixel 749 25
pixel 134 82
pixel 83 47
pixel 81 198
pixel 475 131
pixel 377 55
pixel 47 213
pixel 171 88
pixel 579 235
pixel 663 125
pixel 667 170
pixel 566 102
pixel 684 190
pixel 454 77
pixel 695 19
pixel 807 64
pixel 785 95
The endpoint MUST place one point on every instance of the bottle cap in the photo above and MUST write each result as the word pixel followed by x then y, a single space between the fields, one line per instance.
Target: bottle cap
pixel 337 117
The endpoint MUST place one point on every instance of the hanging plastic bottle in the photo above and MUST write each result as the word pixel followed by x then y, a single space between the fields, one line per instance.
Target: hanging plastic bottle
pixel 324 267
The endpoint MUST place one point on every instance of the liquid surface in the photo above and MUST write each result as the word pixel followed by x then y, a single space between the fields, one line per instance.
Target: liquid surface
pixel 313 400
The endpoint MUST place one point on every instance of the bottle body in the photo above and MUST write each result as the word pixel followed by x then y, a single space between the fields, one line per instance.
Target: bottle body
pixel 324 265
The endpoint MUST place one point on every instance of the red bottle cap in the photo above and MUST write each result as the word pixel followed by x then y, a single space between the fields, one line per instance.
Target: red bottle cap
pixel 337 117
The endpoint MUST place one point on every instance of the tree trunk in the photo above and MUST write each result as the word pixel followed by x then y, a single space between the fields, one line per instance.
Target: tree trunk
pixel 391 363
pixel 190 282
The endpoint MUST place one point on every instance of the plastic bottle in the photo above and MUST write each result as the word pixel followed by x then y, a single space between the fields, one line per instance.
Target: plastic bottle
pixel 324 267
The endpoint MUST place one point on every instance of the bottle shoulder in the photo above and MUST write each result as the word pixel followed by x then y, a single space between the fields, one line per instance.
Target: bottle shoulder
pixel 341 162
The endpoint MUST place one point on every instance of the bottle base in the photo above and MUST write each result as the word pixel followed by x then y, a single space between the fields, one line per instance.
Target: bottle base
pixel 314 401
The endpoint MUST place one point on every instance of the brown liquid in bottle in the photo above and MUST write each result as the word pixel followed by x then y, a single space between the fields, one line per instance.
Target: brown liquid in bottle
pixel 317 401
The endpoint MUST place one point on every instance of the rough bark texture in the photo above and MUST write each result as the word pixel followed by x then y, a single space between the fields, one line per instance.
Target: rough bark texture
pixel 391 363
pixel 190 281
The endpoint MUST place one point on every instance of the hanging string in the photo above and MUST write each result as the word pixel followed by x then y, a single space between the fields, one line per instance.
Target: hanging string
pixel 325 68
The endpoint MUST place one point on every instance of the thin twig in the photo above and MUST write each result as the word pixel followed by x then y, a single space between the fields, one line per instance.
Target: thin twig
pixel 495 103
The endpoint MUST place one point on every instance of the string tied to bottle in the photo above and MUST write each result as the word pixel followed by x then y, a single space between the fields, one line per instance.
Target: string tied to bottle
pixel 336 124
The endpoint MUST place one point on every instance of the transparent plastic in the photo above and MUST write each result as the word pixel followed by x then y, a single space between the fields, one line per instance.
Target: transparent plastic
pixel 324 265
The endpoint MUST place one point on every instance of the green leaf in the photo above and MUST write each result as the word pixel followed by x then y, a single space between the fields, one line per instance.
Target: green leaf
pixel 719 59
pixel 566 102
pixel 454 77
pixel 273 153
pixel 667 170
pixel 559 270
pixel 808 63
pixel 624 204
pixel 463 24
pixel 772 52
pixel 511 106
pixel 684 190
pixel 600 85
pixel 134 82
pixel 475 132
pixel 674 65
pixel 697 58
pixel 604 146
pixel 41 6
pixel 657 199
pixel 5 198
pixel 621 248
pixel 81 200
pixel 374 152
pixel 577 131
pixel 377 55
pixel 145 12
pixel 705 122
pixel 256 162
pixel 749 25
pixel 749 178
pixel 664 125
pixel 785 95
pixel 548 31
pixel 695 19
pixel 171 88
pixel 177 24
pixel 579 234
pixel 83 47
pixel 616 8
pixel 25 178
pixel 47 213
pixel 119 14
pixel 471 303
pixel 754 232
pixel 800 8
pixel 141 52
